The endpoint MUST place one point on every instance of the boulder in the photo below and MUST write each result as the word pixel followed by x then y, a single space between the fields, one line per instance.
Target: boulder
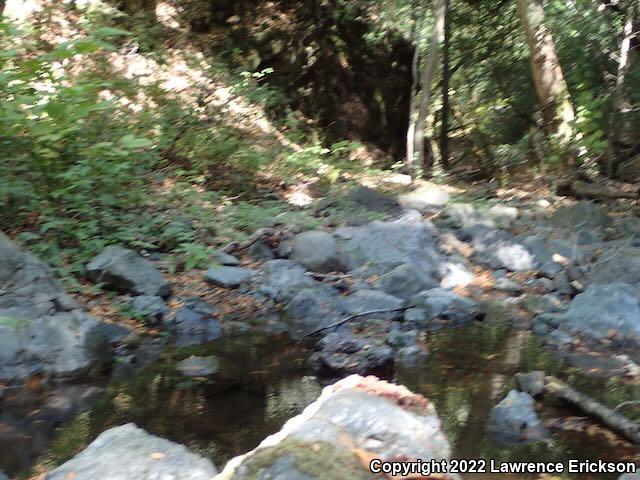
pixel 514 420
pixel 444 306
pixel 405 280
pixel 498 249
pixel 282 279
pixel 357 414
pixel 342 353
pixel 128 452
pixel 602 311
pixel 425 198
pixel 42 329
pixel 229 277
pixel 313 308
pixel 126 271
pixel 616 265
pixel 150 308
pixel 455 273
pixel 379 247
pixel 368 300
pixel 373 200
pixel 195 323
pixel 532 382
pixel 223 258
pixel 318 251
pixel 581 214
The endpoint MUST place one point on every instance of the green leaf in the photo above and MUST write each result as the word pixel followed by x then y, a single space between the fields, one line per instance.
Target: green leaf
pixel 106 32
pixel 131 142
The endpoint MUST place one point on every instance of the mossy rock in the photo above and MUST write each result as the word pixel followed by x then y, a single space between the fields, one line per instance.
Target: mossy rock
pixel 301 460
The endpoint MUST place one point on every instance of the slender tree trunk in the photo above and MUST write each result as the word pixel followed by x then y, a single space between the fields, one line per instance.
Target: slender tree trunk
pixel 2 3
pixel 412 112
pixel 426 78
pixel 621 130
pixel 446 74
pixel 551 87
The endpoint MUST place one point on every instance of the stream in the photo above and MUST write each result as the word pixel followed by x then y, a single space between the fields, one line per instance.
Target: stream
pixel 263 381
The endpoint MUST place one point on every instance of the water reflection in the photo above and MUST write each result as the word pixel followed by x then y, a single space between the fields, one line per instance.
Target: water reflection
pixel 263 381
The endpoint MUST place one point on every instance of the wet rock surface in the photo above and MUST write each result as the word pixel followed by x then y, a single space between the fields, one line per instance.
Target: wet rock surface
pixel 514 420
pixel 130 452
pixel 42 329
pixel 355 414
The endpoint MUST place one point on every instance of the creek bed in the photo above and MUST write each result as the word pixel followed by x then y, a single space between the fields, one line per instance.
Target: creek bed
pixel 263 380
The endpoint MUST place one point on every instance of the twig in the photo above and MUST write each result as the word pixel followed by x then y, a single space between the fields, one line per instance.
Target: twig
pixel 356 315
pixel 329 276
pixel 626 404
pixel 261 233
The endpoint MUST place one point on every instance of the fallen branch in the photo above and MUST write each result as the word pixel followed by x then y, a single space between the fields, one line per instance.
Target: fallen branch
pixel 257 235
pixel 356 315
pixel 589 190
pixel 329 276
pixel 611 418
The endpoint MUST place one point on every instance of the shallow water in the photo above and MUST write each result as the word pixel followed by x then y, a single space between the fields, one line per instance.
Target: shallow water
pixel 263 381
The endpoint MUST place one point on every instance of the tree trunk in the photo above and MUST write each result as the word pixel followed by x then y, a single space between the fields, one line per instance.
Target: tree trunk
pixel 551 87
pixel 446 74
pixel 418 121
pixel 621 128
pixel 2 3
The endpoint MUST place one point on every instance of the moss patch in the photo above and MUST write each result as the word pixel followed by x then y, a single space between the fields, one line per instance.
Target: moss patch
pixel 318 460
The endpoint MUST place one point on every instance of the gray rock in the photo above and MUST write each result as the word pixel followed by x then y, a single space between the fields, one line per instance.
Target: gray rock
pixel 616 265
pixel 630 227
pixel 546 249
pixel 585 214
pixel 602 310
pixel 283 279
pixel 514 420
pixel 463 215
pixel 261 251
pixel 229 277
pixel 373 200
pixel 342 353
pixel 542 303
pixel 531 383
pixel 223 258
pixel 425 198
pixel 151 308
pixel 629 476
pixel 379 247
pixel 550 269
pixel 498 249
pixel 42 329
pixel 195 323
pixel 318 251
pixel 368 300
pixel 3 476
pixel 411 356
pixel 405 280
pixel 502 215
pixel 505 284
pixel 128 452
pixel 125 270
pixel 313 308
pixel 199 366
pixel 562 285
pixel 367 414
pixel 444 306
pixel 455 274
